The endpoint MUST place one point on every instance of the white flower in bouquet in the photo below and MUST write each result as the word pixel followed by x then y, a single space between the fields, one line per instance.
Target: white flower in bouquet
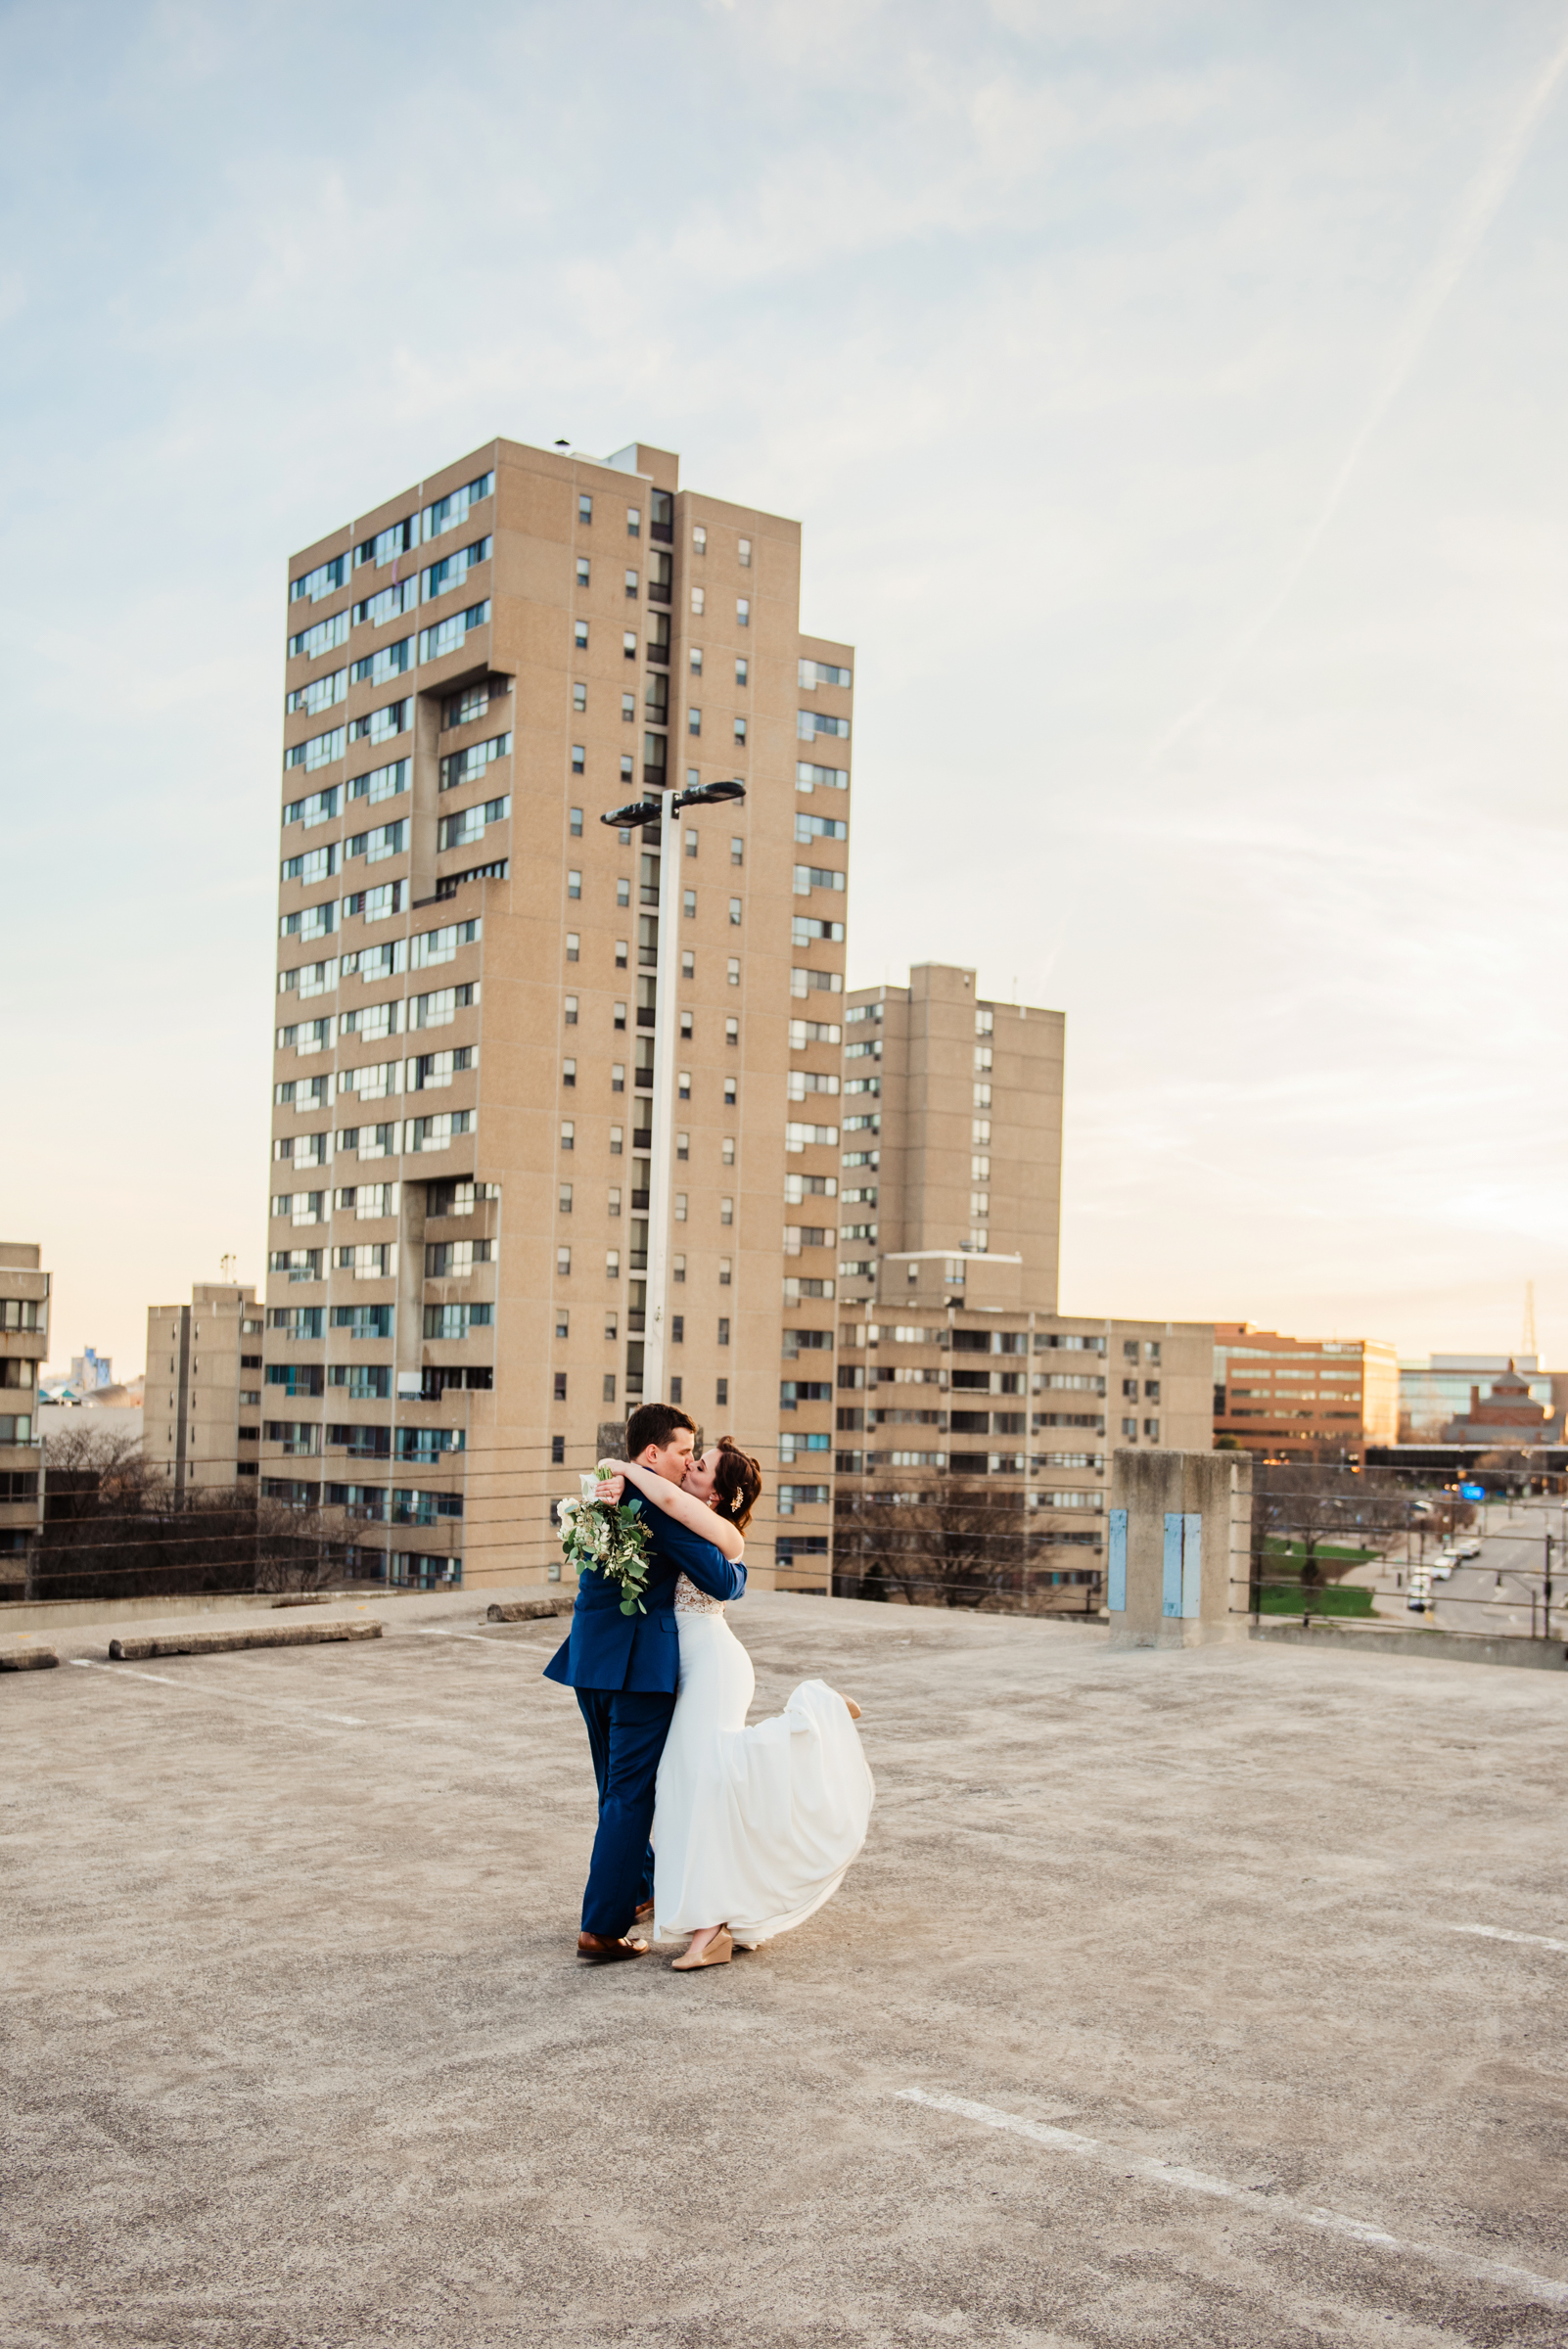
pixel 598 1536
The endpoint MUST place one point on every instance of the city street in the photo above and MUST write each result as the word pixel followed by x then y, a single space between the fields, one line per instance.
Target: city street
pixel 1490 1595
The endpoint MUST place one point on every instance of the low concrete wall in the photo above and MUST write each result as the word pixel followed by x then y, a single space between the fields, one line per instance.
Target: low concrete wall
pixel 1442 1647
pixel 51 1613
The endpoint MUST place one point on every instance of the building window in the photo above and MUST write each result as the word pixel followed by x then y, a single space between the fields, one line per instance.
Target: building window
pixel 573 885
pixel 574 815
pixel 633 521
pixel 723 1332
pixel 698 538
pixel 580 696
pixel 743 612
pixel 620 953
pixel 688 964
pixel 677 1267
pixel 622 893
pixel 609 1386
pixel 740 733
pixel 617 1137
pixel 569 1071
pixel 694 721
pixel 581 635
pixel 560 1386
pixel 564 1201
pixel 732 1032
pixel 563 1262
pixel 696 659
pixel 557 1451
pixel 612 1263
pixel 579 759
pixel 721 1392
pixel 1151 1428
pixel 727 1150
pixel 726 1211
pixel 617 1077
pixel 570 1011
pixel 568 1134
pixel 584 510
pixel 677 1332
pixel 734 913
pixel 729 1092
pixel 697 601
pixel 726 1265
pixel 746 553
pixel 674 1390
pixel 680 1207
pixel 734 970
pixel 615 1202
pixel 574 946
pixel 583 571
pixel 563 1323
pixel 683 1085
pixel 688 904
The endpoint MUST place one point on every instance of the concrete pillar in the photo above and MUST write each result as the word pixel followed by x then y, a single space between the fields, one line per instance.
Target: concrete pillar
pixel 1178 1555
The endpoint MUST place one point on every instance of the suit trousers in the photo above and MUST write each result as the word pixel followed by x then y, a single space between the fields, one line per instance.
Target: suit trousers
pixel 626 1731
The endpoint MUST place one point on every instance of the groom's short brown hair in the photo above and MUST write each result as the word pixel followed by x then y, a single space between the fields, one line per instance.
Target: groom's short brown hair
pixel 654 1423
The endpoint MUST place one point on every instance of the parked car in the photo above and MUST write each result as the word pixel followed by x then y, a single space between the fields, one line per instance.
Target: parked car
pixel 1443 1565
pixel 1469 1549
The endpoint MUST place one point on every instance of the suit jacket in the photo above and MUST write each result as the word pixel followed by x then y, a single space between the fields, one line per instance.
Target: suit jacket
pixel 606 1649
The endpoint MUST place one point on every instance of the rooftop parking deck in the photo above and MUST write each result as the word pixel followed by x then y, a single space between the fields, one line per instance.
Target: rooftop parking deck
pixel 1152 2014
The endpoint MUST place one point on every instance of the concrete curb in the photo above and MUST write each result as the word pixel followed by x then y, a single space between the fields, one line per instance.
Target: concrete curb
pixel 26 1659
pixel 214 1644
pixel 1442 1647
pixel 527 1610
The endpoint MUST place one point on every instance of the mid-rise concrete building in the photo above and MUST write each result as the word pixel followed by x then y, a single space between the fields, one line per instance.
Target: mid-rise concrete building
pixel 202 1391
pixel 24 1349
pixel 953 1361
pixel 543 1085
pixel 1302 1397
pixel 1439 1390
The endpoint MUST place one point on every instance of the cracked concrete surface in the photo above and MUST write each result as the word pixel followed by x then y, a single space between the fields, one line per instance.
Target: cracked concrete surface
pixel 298 2053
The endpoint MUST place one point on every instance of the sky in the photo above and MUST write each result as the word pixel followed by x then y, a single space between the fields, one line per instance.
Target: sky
pixel 1171 396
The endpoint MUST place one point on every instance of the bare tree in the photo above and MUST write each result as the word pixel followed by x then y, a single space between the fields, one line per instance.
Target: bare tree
pixel 1311 1506
pixel 113 1530
pixel 960 1544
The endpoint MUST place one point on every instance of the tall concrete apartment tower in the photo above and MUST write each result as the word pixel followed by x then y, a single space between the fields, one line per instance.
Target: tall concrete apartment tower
pixel 543 1085
pixel 974 1421
pixel 202 1398
pixel 24 1349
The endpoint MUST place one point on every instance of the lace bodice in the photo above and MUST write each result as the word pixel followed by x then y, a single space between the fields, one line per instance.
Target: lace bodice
pixel 689 1600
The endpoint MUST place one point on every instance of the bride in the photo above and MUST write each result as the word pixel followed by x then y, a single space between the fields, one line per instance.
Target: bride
pixel 753 1828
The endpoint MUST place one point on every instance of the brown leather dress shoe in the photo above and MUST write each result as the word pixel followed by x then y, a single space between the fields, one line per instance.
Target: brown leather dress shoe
pixel 602 1949
pixel 643 1913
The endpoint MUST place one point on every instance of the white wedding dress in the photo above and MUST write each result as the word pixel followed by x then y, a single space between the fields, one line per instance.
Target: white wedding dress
pixel 752 1827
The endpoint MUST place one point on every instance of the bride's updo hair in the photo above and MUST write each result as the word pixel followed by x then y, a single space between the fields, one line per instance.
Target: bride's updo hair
pixel 737 1484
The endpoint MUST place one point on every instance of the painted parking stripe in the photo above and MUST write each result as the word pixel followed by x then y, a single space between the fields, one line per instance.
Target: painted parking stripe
pixel 1539 1941
pixel 269 1704
pixel 1284 2206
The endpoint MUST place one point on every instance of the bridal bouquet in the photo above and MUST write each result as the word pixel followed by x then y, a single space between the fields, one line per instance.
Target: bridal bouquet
pixel 598 1536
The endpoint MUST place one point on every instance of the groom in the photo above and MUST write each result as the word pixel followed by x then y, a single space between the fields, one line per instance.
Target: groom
pixel 624 1669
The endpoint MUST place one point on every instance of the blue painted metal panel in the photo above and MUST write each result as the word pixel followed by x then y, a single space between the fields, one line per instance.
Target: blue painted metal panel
pixel 1116 1570
pixel 1191 1565
pixel 1171 1588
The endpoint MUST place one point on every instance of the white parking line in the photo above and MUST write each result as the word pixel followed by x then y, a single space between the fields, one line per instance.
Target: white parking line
pixel 1539 1941
pixel 269 1704
pixel 1172 2173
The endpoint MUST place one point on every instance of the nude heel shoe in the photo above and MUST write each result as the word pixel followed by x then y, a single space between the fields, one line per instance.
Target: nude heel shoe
pixel 853 1708
pixel 718 1951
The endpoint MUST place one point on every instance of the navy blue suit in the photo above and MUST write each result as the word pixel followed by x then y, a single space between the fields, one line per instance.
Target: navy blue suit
pixel 624 1669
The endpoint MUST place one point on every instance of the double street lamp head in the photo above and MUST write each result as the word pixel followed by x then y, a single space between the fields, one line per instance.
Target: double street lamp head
pixel 649 811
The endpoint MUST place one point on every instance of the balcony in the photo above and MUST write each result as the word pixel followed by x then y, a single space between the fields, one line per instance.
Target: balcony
pixel 642 1138
pixel 637 1261
pixel 646 1017
pixel 639 1200
pixel 636 1323
pixel 659 592
pixel 661 532
pixel 659 652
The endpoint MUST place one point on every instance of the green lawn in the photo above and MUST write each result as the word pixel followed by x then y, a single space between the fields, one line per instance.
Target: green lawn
pixel 1278 1597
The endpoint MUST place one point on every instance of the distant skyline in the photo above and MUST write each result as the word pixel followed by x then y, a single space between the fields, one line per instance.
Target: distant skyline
pixel 1171 396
